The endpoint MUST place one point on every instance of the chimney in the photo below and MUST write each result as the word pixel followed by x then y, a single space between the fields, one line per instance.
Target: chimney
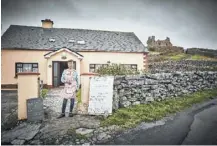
pixel 47 23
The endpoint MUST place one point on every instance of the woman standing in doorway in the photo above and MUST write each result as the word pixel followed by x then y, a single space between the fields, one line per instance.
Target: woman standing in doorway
pixel 70 79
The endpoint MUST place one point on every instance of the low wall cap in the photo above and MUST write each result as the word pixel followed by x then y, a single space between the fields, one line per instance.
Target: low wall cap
pixel 27 73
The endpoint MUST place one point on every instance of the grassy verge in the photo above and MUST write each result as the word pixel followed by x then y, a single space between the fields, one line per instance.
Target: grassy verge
pixel 199 57
pixel 179 57
pixel 130 117
pixel 78 95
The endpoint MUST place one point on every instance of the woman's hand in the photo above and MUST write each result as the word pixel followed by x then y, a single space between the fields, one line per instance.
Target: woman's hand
pixel 68 82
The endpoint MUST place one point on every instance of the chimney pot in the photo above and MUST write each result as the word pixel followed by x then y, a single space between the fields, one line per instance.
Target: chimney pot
pixel 47 23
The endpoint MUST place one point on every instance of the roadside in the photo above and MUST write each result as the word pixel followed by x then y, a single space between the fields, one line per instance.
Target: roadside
pixel 82 129
pixel 195 125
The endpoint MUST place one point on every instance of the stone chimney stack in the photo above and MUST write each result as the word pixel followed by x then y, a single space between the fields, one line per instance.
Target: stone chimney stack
pixel 47 23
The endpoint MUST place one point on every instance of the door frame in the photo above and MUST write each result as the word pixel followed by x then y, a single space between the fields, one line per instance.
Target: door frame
pixel 59 66
pixel 53 70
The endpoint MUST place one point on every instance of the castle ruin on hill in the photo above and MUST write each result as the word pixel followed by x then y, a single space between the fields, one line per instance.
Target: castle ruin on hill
pixel 159 43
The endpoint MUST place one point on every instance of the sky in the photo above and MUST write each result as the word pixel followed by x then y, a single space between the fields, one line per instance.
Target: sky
pixel 188 23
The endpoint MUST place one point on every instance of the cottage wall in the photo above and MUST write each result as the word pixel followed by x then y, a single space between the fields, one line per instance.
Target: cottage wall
pixel 104 57
pixel 10 57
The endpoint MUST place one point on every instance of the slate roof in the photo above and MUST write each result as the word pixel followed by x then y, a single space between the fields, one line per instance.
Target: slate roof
pixel 29 37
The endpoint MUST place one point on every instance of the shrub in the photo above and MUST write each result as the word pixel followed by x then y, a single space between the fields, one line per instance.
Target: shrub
pixel 44 93
pixel 116 69
pixel 151 49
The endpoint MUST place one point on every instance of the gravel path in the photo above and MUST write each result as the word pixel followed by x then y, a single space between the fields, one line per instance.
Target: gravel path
pixel 54 102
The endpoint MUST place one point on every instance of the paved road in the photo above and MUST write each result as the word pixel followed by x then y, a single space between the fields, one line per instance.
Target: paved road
pixel 197 125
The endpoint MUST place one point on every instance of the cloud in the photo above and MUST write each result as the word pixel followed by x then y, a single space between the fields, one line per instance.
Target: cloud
pixel 189 23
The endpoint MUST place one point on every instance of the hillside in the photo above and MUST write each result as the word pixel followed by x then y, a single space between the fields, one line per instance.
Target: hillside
pixel 169 62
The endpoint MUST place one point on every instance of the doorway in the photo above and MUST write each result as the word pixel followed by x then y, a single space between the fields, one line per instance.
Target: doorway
pixel 58 68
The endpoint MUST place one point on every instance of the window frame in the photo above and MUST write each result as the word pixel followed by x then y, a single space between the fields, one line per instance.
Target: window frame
pixel 34 65
pixel 136 68
pixel 94 66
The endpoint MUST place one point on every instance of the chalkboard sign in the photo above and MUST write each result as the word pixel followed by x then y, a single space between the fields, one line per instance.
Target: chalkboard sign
pixel 35 111
pixel 100 95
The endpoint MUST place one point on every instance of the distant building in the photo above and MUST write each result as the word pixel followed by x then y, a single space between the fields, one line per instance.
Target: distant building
pixel 159 43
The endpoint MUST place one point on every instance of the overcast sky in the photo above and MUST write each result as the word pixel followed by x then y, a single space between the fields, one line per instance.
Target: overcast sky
pixel 188 23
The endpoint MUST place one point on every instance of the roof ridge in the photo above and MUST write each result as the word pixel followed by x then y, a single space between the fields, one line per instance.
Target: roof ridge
pixel 73 28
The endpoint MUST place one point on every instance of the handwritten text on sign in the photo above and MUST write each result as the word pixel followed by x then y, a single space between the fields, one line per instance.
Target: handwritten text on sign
pixel 101 95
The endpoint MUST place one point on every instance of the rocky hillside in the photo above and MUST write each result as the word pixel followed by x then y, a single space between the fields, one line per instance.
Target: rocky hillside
pixel 169 62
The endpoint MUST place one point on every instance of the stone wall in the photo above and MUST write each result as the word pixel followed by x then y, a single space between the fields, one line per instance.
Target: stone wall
pixel 201 51
pixel 137 89
pixel 182 65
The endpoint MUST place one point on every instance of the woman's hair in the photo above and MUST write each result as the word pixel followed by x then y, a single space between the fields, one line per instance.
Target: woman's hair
pixel 70 60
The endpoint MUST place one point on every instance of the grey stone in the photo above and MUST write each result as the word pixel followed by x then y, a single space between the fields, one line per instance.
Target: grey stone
pixel 86 144
pixel 136 103
pixel 149 99
pixel 119 77
pixel 18 142
pixel 150 82
pixel 84 131
pixel 124 98
pixel 35 142
pixel 133 98
pixel 165 81
pixel 23 131
pixel 124 85
pixel 127 92
pixel 137 95
pixel 126 103
pixel 145 89
pixel 170 87
pixel 119 87
pixel 153 87
pixel 117 82
pixel 103 136
pixel 113 128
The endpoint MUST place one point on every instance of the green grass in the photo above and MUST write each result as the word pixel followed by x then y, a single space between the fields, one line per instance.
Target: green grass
pixel 178 57
pixel 78 95
pixel 131 116
pixel 199 57
pixel 44 93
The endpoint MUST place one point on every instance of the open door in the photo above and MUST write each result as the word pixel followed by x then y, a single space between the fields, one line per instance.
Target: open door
pixel 56 74
pixel 58 68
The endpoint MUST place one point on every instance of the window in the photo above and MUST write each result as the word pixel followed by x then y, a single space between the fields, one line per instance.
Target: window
pixel 51 40
pixel 130 66
pixel 81 42
pixel 26 67
pixel 71 41
pixel 94 67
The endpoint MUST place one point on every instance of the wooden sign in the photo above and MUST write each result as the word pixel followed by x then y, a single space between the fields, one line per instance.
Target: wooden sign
pixel 101 95
pixel 35 111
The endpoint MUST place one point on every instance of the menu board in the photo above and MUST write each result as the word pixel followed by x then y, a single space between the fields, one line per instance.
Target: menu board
pixel 35 111
pixel 101 95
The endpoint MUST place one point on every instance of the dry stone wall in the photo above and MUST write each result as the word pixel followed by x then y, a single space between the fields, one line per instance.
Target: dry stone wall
pixel 182 65
pixel 201 51
pixel 138 89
